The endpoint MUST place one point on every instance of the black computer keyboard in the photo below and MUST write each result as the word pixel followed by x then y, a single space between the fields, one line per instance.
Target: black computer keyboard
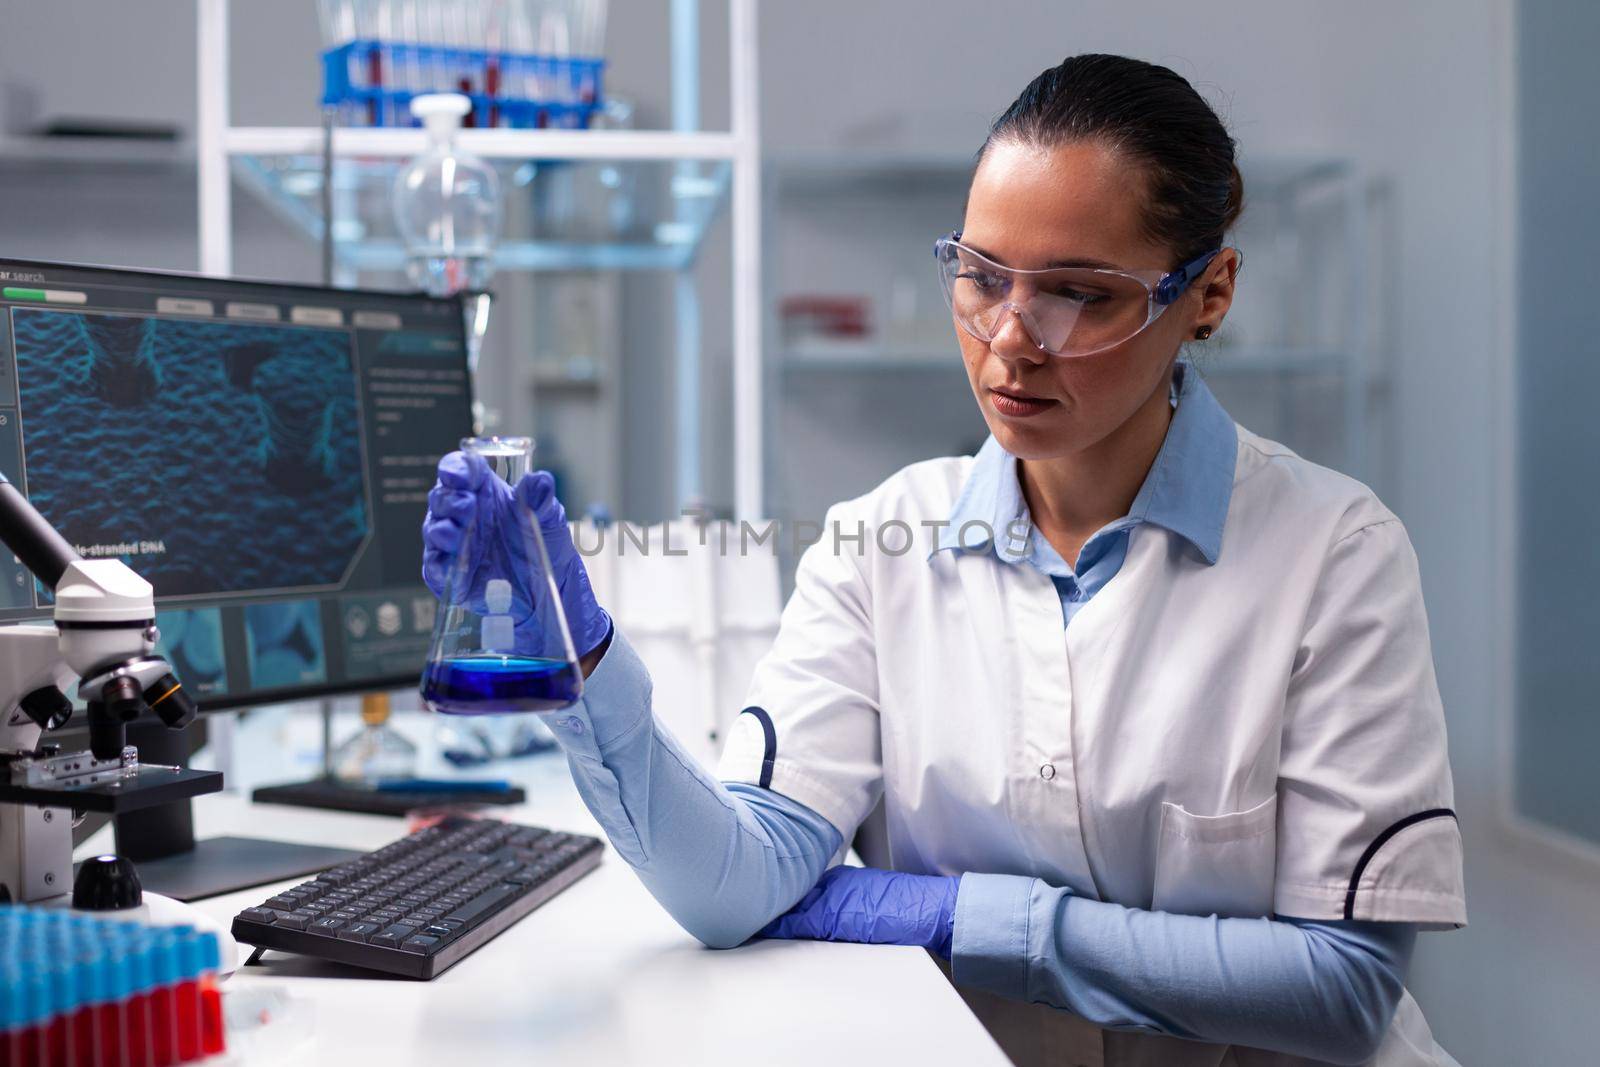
pixel 424 902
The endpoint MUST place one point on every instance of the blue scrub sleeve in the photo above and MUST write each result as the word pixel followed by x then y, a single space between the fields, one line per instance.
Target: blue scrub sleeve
pixel 724 860
pixel 1326 990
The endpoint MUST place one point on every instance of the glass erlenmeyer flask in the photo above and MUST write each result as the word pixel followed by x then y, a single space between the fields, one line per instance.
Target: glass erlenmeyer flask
pixel 500 637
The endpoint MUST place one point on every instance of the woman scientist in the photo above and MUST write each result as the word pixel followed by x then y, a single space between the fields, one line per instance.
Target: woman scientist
pixel 1153 717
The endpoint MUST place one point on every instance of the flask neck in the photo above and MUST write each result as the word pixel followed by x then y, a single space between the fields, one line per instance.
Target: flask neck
pixel 441 130
pixel 511 468
pixel 508 457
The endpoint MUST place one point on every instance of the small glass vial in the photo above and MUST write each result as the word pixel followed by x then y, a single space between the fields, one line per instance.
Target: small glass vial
pixel 379 751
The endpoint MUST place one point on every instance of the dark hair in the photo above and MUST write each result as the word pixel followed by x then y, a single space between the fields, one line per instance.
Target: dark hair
pixel 1155 117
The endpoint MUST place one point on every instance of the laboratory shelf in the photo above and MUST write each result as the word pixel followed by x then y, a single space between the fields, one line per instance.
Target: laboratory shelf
pixel 585 214
pixel 848 173
pixel 874 363
pixel 1272 360
pixel 1225 361
pixel 485 144
pixel 95 152
pixel 605 200
pixel 574 375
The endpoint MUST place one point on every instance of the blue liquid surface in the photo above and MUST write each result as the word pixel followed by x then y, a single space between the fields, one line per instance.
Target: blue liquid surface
pixel 485 684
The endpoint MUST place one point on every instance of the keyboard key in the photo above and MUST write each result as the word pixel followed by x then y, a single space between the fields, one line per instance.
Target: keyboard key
pixel 419 943
pixel 358 931
pixel 259 915
pixel 294 921
pixel 392 936
pixel 485 903
pixel 327 926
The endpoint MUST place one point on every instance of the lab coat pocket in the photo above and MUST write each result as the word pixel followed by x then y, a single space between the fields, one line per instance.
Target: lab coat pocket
pixel 1217 864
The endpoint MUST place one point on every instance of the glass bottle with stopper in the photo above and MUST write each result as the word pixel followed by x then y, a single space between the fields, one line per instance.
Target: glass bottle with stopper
pixel 447 204
pixel 379 751
pixel 447 209
pixel 501 643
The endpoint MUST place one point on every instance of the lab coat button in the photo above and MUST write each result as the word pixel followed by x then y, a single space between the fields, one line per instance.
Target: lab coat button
pixel 1048 771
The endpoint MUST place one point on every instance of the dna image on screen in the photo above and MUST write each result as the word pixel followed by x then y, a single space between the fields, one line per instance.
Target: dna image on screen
pixel 236 466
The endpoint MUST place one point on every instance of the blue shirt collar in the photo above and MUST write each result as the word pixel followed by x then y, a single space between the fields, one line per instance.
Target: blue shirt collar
pixel 1187 490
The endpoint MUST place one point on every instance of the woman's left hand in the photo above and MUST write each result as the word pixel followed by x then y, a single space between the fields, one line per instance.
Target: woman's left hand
pixel 874 907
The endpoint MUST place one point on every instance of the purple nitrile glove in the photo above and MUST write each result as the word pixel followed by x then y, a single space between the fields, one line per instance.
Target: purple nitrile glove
pixel 468 493
pixel 874 907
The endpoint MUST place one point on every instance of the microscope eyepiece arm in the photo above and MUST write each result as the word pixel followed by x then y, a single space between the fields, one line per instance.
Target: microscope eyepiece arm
pixel 105 622
pixel 42 550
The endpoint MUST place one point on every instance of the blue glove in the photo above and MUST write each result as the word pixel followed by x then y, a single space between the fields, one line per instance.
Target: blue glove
pixel 469 493
pixel 874 907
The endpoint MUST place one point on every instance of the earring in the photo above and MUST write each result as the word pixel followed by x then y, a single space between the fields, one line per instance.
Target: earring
pixel 1202 333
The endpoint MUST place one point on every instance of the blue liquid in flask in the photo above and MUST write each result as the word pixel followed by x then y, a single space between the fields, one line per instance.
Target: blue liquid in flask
pixel 488 683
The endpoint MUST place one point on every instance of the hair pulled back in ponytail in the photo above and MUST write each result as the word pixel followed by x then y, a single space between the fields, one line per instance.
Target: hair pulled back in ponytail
pixel 1194 192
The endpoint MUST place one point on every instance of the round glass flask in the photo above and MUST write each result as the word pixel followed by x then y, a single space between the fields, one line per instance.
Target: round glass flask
pixel 500 637
pixel 447 204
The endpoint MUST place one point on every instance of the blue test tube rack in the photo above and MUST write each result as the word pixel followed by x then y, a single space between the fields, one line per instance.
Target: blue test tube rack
pixel 372 83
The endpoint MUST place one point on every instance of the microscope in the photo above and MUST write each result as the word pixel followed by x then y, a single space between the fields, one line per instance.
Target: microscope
pixel 103 638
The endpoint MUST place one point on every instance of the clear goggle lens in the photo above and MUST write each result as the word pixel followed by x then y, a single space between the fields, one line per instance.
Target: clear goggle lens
pixel 1066 311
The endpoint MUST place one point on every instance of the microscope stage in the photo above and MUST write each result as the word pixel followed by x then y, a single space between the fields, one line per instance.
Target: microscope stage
pixel 141 787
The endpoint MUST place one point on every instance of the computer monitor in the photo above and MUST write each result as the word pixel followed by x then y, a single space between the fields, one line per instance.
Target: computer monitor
pixel 260 452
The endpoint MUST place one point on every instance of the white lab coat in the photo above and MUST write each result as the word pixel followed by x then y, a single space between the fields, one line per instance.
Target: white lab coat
pixel 1262 735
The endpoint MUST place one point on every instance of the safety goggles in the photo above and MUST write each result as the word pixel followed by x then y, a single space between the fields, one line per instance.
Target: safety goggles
pixel 1067 311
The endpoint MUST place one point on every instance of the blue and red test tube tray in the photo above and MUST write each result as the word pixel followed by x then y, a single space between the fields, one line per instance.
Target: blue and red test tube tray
pixel 78 990
pixel 372 83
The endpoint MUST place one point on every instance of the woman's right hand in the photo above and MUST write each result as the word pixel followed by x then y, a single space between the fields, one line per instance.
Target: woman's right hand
pixel 467 494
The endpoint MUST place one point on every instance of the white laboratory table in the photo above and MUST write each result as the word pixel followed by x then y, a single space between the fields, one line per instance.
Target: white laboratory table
pixel 599 975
